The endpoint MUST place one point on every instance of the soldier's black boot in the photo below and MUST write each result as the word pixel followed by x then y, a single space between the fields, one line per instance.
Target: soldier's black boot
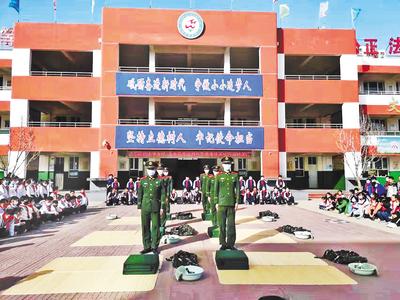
pixel 155 251
pixel 223 247
pixel 144 251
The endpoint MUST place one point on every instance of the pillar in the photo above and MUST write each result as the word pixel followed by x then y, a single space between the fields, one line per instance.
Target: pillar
pixel 152 59
pixel 227 60
pixel 96 63
pixel 227 112
pixel 152 112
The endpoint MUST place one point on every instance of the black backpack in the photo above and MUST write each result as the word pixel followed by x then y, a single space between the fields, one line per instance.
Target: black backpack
pixel 343 257
pixel 183 258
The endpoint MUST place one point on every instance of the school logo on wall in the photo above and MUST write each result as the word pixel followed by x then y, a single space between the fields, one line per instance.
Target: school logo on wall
pixel 190 25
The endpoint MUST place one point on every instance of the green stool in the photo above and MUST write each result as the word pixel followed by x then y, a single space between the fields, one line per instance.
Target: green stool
pixel 138 264
pixel 206 216
pixel 231 260
pixel 213 231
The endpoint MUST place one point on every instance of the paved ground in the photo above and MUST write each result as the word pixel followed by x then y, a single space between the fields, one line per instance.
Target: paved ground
pixel 24 255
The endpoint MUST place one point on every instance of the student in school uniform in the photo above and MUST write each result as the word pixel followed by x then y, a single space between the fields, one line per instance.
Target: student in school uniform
pixel 173 197
pixel 109 183
pixel 48 211
pixel 130 185
pixel 288 197
pixel 280 183
pixel 262 183
pixel 248 197
pixel 250 183
pixel 112 198
pixel 264 196
pixel 187 184
pixel 197 183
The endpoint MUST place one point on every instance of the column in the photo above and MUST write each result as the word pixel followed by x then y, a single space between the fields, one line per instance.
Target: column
pixel 227 112
pixel 43 167
pixel 281 115
pixel 96 63
pixel 19 109
pixel 350 115
pixel 283 164
pixel 152 59
pixel 281 66
pixel 348 67
pixel 94 164
pixel 152 112
pixel 227 60
pixel 96 113
pixel 21 63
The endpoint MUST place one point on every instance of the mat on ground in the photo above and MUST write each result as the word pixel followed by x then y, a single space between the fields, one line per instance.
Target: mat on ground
pixel 141 264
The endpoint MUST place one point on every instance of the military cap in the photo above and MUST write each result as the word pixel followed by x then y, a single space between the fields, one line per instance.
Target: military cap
pixel 215 168
pixel 166 169
pixel 227 160
pixel 160 167
pixel 151 164
pixel 206 167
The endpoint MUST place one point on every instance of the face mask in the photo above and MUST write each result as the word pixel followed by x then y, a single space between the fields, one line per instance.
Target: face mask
pixel 226 167
pixel 206 171
pixel 159 172
pixel 215 173
pixel 151 173
pixel 165 173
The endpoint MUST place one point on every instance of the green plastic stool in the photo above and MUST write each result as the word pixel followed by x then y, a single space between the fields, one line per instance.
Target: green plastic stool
pixel 213 231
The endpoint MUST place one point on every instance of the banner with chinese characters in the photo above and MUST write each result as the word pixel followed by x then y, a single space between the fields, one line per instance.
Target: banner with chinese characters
pixel 193 154
pixel 388 145
pixel 189 137
pixel 176 84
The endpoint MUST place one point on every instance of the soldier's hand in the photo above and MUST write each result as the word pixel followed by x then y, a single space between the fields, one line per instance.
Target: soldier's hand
pixel 161 212
pixel 236 206
pixel 209 199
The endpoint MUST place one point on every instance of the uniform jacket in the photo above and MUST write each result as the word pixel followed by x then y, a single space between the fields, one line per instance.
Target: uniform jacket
pixel 205 184
pixel 227 189
pixel 150 194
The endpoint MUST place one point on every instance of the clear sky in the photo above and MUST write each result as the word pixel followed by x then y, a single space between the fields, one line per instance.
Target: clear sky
pixel 378 19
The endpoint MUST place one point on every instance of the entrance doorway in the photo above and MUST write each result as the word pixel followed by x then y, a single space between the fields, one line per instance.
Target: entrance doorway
pixel 312 172
pixel 59 172
pixel 180 168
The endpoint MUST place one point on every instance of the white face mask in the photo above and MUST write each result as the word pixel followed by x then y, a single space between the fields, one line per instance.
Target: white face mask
pixel 159 172
pixel 215 173
pixel 151 173
pixel 206 171
pixel 226 167
pixel 165 173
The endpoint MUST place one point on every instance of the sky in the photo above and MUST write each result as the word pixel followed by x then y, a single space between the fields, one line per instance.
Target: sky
pixel 378 19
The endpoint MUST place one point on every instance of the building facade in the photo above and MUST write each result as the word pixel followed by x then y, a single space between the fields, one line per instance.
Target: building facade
pixel 186 89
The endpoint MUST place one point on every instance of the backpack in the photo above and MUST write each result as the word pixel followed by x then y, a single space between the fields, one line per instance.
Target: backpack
pixel 343 257
pixel 182 230
pixel 183 258
pixel 267 213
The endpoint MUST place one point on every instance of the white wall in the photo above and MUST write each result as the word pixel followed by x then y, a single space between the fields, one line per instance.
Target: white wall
pixel 281 115
pixel 281 66
pixel 283 164
pixel 96 63
pixel 19 113
pixel 6 54
pixel 43 163
pixel 227 112
pixel 4 139
pixel 152 59
pixel 378 99
pixel 95 164
pixel 21 63
pixel 96 113
pixel 227 60
pixel 349 168
pixel 21 171
pixel 386 61
pixel 350 115
pixel 348 67
pixel 152 112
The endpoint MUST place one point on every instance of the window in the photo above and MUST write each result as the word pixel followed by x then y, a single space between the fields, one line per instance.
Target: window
pixel 134 164
pixel 6 123
pixel 374 87
pixel 75 119
pixel 242 164
pixel 381 166
pixel 74 163
pixel 1 80
pixel 312 160
pixel 299 166
pixel 378 125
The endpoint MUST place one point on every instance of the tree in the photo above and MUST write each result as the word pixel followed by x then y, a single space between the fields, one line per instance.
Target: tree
pixel 358 155
pixel 21 144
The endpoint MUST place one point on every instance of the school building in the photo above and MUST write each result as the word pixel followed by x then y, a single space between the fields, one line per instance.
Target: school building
pixel 187 88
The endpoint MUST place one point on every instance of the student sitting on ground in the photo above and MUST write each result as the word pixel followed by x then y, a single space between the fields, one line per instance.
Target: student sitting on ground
pixel 395 218
pixel 48 211
pixel 248 198
pixel 373 203
pixel 360 207
pixel 264 196
pixel 173 197
pixel 288 197
pixel 276 196
pixel 341 204
pixel 124 197
pixel 327 202
pixel 382 211
pixel 195 196
pixel 185 197
pixel 389 209
pixel 112 198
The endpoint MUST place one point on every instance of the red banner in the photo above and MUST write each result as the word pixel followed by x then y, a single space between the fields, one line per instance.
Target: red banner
pixel 193 154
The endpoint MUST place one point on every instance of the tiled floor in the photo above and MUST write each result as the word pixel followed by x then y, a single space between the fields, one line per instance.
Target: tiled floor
pixel 24 255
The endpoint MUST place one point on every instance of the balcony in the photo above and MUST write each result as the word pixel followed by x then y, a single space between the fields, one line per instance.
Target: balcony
pixel 313 125
pixel 67 88
pixel 305 90
pixel 188 122
pixel 5 87
pixel 310 140
pixel 59 124
pixel 61 74
pixel 312 77
pixel 61 139
pixel 189 70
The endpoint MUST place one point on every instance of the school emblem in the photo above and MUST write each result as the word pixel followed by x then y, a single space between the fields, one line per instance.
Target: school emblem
pixel 190 25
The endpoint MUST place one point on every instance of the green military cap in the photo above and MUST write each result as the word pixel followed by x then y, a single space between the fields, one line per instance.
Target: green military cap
pixel 166 169
pixel 206 167
pixel 160 167
pixel 215 168
pixel 227 160
pixel 151 165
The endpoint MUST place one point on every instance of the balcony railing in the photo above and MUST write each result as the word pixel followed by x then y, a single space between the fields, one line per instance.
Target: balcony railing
pixel 59 124
pixel 5 87
pixel 188 122
pixel 370 92
pixel 312 77
pixel 389 133
pixel 314 125
pixel 61 74
pixel 4 130
pixel 189 70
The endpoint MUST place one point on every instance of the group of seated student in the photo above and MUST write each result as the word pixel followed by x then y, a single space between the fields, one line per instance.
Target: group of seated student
pixel 19 214
pixel 261 193
pixel 127 196
pixel 376 201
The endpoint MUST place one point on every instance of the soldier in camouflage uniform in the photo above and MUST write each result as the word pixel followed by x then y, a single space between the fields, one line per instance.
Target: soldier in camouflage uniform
pixel 213 197
pixel 205 189
pixel 165 205
pixel 227 190
pixel 151 193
